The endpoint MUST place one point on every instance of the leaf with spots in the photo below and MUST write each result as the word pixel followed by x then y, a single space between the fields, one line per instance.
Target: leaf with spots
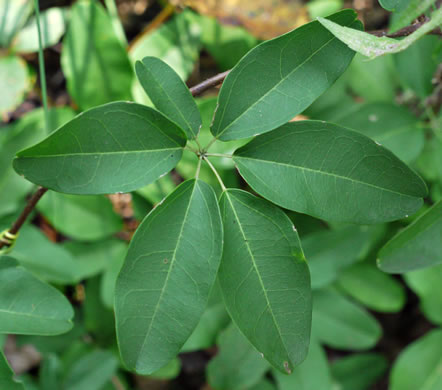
pixel 265 279
pixel 117 147
pixel 164 285
pixel 330 172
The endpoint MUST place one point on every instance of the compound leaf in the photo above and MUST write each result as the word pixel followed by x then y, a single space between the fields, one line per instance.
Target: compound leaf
pixel 117 147
pixel 164 285
pixel 330 172
pixel 264 278
pixel 419 245
pixel 280 78
pixel 28 305
pixel 169 94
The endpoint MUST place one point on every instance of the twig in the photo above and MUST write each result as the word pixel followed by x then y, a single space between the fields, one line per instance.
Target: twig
pixel 403 32
pixel 16 226
pixel 209 83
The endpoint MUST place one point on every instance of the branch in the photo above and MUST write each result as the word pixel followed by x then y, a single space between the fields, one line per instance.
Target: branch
pixel 209 83
pixel 16 226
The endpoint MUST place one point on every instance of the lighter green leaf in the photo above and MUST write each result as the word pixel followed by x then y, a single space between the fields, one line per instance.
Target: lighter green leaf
pixel 311 374
pixel 169 371
pixel 53 25
pixel 13 15
pixel 393 5
pixel 169 94
pixel 358 371
pixel 7 375
pixel 92 371
pixel 419 365
pixel 167 276
pixel 91 218
pixel 394 127
pixel 94 62
pixel 264 278
pixel 372 46
pixel 117 147
pixel 340 323
pixel 419 245
pixel 29 306
pixel 373 288
pixel 427 284
pixel 15 82
pixel 109 278
pixel 330 172
pixel 238 365
pixel 408 12
pixel 279 79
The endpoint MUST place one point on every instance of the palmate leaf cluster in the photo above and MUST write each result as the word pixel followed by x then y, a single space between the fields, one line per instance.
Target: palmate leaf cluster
pixel 198 243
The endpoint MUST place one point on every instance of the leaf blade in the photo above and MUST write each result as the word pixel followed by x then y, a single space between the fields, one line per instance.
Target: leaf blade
pixel 163 243
pixel 86 156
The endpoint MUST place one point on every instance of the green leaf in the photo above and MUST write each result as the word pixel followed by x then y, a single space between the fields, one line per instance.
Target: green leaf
pixel 36 309
pixel 53 25
pixel 408 12
pixel 393 5
pixel 419 245
pixel 169 371
pixel 358 371
pixel 91 218
pixel 372 46
pixel 176 42
pixel 330 172
pixel 117 147
pixel 340 323
pixel 311 374
pixel 330 251
pixel 237 365
pixel 94 62
pixel 49 261
pixel 15 82
pixel 13 15
pixel 418 366
pixel 263 385
pixel 49 374
pixel 426 283
pixel 265 279
pixel 169 94
pixel 417 65
pixel 91 371
pixel 251 104
pixel 167 276
pixel 7 380
pixel 394 127
pixel 373 288
pixel 317 8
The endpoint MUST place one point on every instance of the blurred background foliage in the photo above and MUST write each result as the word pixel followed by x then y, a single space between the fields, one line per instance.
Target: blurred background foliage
pixel 363 319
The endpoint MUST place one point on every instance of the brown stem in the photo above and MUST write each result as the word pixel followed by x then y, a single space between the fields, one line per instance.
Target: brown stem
pixel 16 226
pixel 209 83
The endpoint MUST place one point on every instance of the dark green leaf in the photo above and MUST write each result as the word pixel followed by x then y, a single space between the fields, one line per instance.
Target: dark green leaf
pixel 394 127
pixel 49 374
pixel 427 284
pixel 263 385
pixel 298 68
pixel 330 172
pixel 407 11
pixel 29 306
pixel 91 218
pixel 91 371
pixel 167 276
pixel 169 371
pixel 358 372
pixel 373 288
pixel 169 94
pixel 117 147
pixel 419 245
pixel 418 366
pixel 313 373
pixel 94 61
pixel 237 365
pixel 340 323
pixel 264 278
pixel 7 381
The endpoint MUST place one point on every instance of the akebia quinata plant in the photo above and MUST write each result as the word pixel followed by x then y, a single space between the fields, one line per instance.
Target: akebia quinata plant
pixel 242 241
